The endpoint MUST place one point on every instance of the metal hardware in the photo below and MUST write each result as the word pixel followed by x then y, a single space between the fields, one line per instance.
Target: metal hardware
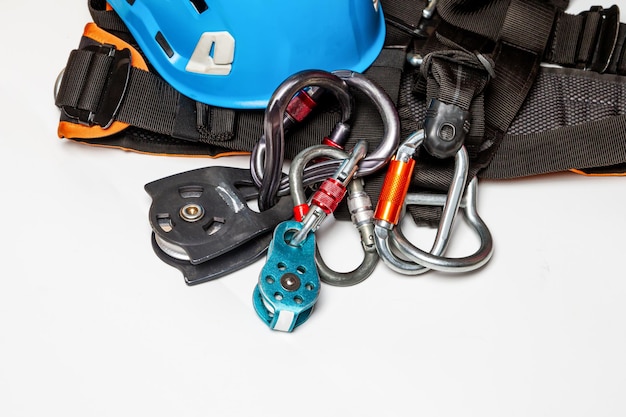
pixel 430 9
pixel 202 215
pixel 441 263
pixel 359 204
pixel 289 284
pixel 361 211
pixel 267 160
pixel 330 192
pixel 319 171
pixel 392 202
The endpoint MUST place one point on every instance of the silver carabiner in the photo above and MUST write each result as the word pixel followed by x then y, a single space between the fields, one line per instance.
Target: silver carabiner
pixel 393 201
pixel 361 212
pixel 319 171
pixel 358 203
pixel 435 260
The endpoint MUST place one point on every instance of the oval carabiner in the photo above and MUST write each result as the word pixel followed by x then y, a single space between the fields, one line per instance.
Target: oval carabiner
pixel 267 156
pixel 358 203
pixel 378 158
pixel 319 171
pixel 442 263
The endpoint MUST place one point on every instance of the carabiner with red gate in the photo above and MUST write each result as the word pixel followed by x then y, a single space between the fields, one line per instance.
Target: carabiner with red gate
pixel 359 205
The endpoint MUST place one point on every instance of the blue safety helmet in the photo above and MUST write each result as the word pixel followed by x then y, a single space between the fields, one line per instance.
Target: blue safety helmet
pixel 234 54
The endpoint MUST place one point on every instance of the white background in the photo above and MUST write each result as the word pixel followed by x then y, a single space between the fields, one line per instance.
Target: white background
pixel 92 323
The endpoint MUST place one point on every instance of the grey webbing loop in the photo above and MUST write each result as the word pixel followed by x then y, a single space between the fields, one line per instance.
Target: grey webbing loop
pixel 370 255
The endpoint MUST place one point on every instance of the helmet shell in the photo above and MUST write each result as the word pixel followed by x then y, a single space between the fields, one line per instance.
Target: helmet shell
pixel 234 54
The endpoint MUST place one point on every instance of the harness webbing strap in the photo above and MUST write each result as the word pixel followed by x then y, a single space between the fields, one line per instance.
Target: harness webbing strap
pixel 154 118
pixel 572 119
pixel 582 147
pixel 106 18
pixel 517 57
pixel 149 102
pixel 591 40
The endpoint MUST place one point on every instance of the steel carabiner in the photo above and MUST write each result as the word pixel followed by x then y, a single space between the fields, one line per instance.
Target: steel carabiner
pixel 392 202
pixel 361 213
pixel 319 171
pixel 359 204
pixel 267 156
pixel 442 263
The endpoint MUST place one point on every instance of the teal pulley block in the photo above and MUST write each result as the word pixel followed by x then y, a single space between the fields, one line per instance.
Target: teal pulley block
pixel 289 283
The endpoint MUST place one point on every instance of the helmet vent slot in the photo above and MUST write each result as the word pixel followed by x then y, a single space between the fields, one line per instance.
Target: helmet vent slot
pixel 164 44
pixel 200 5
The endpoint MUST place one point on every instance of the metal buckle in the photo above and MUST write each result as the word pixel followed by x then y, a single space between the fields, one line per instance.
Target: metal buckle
pixel 113 92
pixel 605 39
pixel 426 26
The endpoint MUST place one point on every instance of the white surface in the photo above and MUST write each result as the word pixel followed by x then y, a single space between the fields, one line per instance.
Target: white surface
pixel 92 323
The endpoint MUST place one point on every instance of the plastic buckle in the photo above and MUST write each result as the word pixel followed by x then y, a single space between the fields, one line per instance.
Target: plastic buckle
pixel 605 39
pixel 113 92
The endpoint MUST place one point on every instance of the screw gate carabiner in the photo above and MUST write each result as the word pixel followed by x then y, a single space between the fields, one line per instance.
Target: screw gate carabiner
pixel 289 284
pixel 360 207
pixel 397 180
pixel 359 204
pixel 267 158
pixel 329 194
pixel 319 171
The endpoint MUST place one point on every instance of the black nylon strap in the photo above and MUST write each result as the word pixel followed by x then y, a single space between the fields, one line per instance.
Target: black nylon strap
pixel 106 19
pixel 81 86
pixel 207 129
pixel 517 58
pixel 152 105
pixel 591 40
pixel 149 102
pixel 590 145
pixel 572 119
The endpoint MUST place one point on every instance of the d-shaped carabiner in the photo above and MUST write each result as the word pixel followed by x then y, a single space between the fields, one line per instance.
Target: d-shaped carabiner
pixel 442 263
pixel 359 205
pixel 393 200
pixel 361 212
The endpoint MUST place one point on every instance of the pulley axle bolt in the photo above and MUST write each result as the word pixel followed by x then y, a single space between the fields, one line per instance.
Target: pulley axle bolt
pixel 192 212
pixel 290 282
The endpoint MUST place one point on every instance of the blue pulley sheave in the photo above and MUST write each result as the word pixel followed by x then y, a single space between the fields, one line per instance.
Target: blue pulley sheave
pixel 289 283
